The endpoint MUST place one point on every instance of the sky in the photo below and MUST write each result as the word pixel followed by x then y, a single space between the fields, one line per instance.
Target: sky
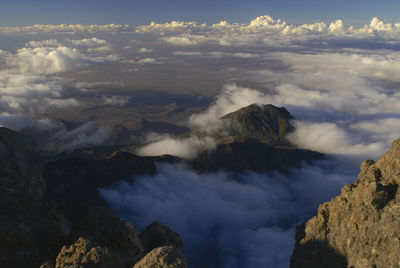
pixel 26 12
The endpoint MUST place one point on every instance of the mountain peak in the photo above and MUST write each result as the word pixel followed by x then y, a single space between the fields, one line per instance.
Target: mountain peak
pixel 267 123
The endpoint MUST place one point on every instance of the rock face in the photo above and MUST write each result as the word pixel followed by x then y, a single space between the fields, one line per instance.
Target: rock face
pixel 30 229
pixel 360 227
pixel 104 229
pixel 163 257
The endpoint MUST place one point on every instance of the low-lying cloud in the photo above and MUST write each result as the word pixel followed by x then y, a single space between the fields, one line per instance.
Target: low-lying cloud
pixel 229 220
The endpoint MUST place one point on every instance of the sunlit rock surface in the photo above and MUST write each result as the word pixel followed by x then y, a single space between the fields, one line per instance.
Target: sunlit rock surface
pixel 360 227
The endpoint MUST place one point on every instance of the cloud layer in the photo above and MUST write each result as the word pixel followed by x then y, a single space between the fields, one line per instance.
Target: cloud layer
pixel 228 220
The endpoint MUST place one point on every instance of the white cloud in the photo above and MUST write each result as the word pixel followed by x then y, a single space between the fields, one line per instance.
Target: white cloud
pixel 45 60
pixel 232 98
pixel 208 123
pixel 182 147
pixel 88 42
pixel 144 50
pixel 332 139
pixel 189 40
pixel 115 100
pixel 44 43
pixel 68 28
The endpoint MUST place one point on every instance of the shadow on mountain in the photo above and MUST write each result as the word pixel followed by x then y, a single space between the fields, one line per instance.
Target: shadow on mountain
pixel 319 255
pixel 72 183
pixel 315 253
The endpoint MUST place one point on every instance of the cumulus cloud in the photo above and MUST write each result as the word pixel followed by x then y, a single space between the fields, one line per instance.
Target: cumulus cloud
pixel 182 147
pixel 115 100
pixel 206 124
pixel 144 50
pixel 28 94
pixel 268 30
pixel 189 40
pixel 331 139
pixel 45 60
pixel 88 42
pixel 27 87
pixel 228 220
pixel 232 98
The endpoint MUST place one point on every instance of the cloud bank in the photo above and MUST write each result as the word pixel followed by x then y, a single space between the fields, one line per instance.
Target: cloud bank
pixel 228 220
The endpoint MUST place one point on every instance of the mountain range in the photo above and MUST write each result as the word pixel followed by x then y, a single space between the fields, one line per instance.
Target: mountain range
pixel 53 216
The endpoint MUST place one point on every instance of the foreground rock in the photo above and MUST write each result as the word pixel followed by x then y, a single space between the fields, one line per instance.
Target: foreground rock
pixel 104 229
pixel 360 227
pixel 163 257
pixel 84 253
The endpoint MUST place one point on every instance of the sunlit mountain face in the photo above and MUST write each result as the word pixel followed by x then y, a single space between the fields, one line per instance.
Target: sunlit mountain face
pixel 171 89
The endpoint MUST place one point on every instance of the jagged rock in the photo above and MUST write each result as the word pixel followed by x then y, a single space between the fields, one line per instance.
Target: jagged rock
pixel 86 254
pixel 163 257
pixel 106 230
pixel 30 229
pixel 157 235
pixel 360 227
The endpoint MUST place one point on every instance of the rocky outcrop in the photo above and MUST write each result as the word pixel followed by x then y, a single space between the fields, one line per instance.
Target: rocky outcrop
pixel 30 229
pixel 103 228
pixel 163 257
pixel 360 227
pixel 101 239
pixel 84 253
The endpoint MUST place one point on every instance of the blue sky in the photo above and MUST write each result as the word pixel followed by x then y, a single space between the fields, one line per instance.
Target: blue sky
pixel 28 12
